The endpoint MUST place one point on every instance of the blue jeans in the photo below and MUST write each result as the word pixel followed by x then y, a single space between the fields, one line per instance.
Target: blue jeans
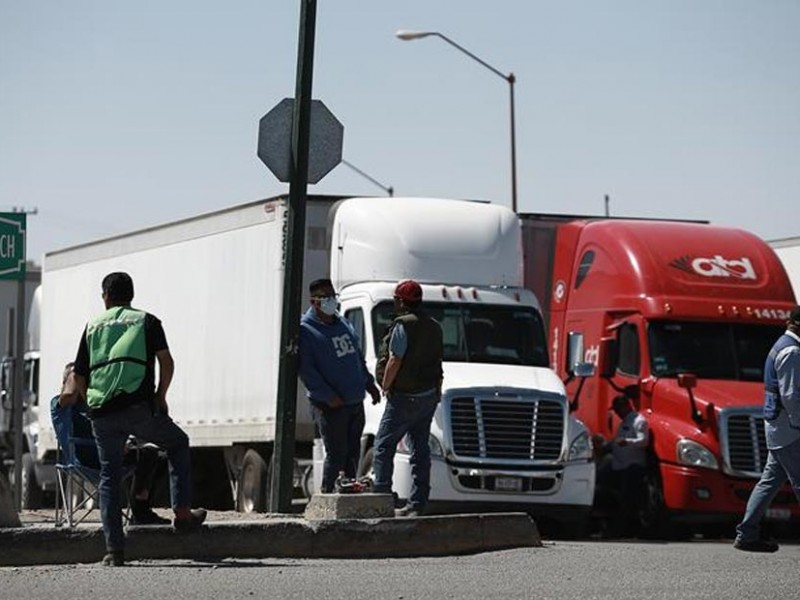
pixel 110 432
pixel 782 464
pixel 341 430
pixel 403 415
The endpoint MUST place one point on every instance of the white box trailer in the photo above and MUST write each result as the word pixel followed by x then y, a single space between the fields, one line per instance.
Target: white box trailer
pixel 788 250
pixel 216 283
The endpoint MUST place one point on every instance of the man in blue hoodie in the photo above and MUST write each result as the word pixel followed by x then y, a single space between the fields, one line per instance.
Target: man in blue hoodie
pixel 336 377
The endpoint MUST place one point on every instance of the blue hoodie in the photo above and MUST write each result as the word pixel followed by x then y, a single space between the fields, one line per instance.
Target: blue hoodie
pixel 331 363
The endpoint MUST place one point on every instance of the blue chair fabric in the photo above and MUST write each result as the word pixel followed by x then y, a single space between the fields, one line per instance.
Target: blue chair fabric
pixel 78 465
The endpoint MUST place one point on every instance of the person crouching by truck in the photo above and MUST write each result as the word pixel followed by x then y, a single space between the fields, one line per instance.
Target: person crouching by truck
pixel 625 467
pixel 336 378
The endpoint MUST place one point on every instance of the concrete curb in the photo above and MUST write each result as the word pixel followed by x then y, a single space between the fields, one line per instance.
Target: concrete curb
pixel 279 538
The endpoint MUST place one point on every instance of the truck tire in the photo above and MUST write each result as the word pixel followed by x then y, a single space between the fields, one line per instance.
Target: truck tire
pixel 31 492
pixel 653 515
pixel 252 489
pixel 79 495
pixel 576 528
pixel 365 465
pixel 308 482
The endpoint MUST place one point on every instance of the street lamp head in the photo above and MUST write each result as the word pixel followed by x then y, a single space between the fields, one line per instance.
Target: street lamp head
pixel 408 34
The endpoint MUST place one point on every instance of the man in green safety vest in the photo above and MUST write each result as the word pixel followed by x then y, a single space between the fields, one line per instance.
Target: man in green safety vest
pixel 115 371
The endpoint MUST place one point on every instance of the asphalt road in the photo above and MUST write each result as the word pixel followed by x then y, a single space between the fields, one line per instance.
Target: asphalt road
pixel 561 570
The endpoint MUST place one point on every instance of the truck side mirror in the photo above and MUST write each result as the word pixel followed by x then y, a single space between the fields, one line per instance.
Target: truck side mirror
pixel 5 380
pixel 687 381
pixel 608 357
pixel 584 369
pixel 5 367
pixel 574 352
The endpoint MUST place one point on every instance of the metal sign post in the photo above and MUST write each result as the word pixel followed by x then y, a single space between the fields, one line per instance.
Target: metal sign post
pixel 300 141
pixel 12 266
pixel 282 475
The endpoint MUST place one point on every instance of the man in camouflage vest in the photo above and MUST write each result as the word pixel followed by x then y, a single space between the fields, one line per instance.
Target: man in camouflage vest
pixel 410 374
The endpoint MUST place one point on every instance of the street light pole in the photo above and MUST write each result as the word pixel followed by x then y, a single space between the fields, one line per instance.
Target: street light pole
pixel 407 35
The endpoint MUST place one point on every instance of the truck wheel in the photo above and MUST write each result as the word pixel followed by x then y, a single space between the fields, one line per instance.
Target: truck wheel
pixel 79 495
pixel 31 492
pixel 253 485
pixel 365 466
pixel 574 529
pixel 308 482
pixel 653 518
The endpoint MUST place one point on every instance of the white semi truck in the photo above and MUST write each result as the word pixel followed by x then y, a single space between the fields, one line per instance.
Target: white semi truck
pixel 788 250
pixel 502 435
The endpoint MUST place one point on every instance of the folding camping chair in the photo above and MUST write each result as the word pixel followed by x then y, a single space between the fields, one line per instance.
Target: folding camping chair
pixel 78 466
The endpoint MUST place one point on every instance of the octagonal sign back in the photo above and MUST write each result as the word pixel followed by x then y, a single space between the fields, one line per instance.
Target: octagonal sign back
pixel 275 140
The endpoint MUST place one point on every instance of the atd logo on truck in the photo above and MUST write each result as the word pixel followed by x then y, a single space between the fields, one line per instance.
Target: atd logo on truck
pixel 716 266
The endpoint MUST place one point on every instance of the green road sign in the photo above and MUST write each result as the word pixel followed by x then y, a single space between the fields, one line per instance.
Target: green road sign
pixel 12 245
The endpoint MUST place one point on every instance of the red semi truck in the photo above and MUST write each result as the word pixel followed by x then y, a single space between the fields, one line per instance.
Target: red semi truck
pixel 679 316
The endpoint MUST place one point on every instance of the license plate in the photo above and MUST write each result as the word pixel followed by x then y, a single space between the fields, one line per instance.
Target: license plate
pixel 508 484
pixel 779 514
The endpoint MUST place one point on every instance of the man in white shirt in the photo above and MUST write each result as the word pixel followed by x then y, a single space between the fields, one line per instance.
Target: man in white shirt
pixel 629 446
pixel 628 465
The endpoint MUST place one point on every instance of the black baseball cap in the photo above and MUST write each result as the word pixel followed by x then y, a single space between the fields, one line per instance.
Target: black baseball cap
pixel 794 316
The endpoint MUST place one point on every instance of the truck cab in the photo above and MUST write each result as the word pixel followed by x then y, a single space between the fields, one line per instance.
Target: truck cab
pixel 679 316
pixel 503 435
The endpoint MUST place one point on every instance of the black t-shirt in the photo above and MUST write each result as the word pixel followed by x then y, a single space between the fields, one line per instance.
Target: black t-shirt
pixel 155 341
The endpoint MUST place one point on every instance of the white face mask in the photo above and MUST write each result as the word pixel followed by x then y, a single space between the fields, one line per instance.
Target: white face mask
pixel 329 305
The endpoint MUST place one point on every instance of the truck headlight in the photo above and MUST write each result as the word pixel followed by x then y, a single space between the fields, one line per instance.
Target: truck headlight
pixel 434 445
pixel 581 447
pixel 695 455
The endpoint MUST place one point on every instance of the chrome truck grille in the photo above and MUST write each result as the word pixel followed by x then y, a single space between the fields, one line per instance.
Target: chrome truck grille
pixel 506 429
pixel 744 443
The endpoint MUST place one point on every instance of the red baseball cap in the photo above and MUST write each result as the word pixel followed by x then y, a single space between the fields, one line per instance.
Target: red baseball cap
pixel 408 290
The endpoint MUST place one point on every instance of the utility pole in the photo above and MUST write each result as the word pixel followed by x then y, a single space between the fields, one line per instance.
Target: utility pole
pixel 282 476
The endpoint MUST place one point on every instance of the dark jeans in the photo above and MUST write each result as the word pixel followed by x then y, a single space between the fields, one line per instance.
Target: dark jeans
pixel 341 430
pixel 110 432
pixel 623 493
pixel 403 415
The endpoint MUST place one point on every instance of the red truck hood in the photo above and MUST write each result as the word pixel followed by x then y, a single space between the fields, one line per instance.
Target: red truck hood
pixel 722 393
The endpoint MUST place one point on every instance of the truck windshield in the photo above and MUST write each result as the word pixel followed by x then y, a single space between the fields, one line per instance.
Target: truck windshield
pixel 710 350
pixel 481 333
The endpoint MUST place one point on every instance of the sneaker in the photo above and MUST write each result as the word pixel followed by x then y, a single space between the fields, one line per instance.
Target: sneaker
pixel 116 558
pixel 409 511
pixel 192 523
pixel 147 516
pixel 755 546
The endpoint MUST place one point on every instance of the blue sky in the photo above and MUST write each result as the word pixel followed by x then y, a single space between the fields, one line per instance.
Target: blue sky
pixel 119 115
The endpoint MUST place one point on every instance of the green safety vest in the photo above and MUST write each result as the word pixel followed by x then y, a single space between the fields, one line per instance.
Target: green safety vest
pixel 117 354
